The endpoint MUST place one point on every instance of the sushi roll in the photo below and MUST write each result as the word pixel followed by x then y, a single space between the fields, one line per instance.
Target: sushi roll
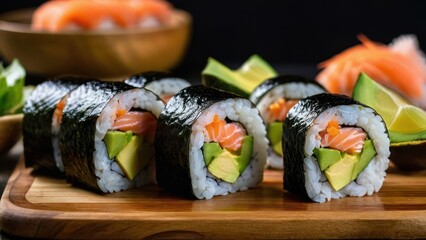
pixel 274 98
pixel 107 135
pixel 209 142
pixel 161 83
pixel 334 147
pixel 42 113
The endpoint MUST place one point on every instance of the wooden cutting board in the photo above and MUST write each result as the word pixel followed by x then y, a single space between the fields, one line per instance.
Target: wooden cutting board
pixel 42 207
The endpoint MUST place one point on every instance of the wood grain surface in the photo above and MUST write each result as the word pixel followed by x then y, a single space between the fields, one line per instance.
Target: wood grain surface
pixel 43 207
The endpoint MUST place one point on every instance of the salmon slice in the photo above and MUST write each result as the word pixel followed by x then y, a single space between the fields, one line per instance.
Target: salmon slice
pixel 228 135
pixel 400 66
pixel 346 139
pixel 278 110
pixel 59 15
pixel 140 123
pixel 57 114
pixel 166 98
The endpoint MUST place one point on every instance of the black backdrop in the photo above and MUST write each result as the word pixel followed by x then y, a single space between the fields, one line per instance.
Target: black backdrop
pixel 287 31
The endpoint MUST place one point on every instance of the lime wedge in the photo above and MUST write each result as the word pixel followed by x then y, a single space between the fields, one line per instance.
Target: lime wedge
pixel 405 122
pixel 241 81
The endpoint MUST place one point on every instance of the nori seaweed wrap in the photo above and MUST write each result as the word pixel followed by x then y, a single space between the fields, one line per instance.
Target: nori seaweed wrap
pixel 89 117
pixel 37 123
pixel 182 136
pixel 323 124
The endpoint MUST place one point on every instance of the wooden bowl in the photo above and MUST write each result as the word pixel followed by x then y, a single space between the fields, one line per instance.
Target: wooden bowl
pixel 10 131
pixel 103 54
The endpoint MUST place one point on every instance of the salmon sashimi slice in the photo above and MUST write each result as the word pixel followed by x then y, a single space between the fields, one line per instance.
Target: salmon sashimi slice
pixel 278 110
pixel 140 123
pixel 346 139
pixel 60 15
pixel 228 135
pixel 400 66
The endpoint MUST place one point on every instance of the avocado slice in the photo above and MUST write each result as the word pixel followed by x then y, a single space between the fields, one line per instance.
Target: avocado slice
pixel 225 167
pixel 340 173
pixel 275 131
pixel 241 81
pixel 244 158
pixel 367 154
pixel 115 141
pixel 211 151
pixel 406 123
pixel 135 156
pixel 327 157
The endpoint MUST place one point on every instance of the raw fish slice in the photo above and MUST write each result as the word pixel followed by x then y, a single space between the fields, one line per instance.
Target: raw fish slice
pixel 98 14
pixel 348 139
pixel 228 135
pixel 278 110
pixel 140 123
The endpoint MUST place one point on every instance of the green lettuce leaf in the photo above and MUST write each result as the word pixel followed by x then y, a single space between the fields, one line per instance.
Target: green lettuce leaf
pixel 12 81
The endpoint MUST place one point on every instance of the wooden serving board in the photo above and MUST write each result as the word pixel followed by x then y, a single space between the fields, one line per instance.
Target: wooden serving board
pixel 42 207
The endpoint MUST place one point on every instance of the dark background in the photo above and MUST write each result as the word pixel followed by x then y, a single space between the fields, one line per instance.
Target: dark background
pixel 287 32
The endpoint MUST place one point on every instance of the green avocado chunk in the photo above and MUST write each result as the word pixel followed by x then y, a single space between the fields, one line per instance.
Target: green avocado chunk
pixel 115 141
pixel 327 157
pixel 367 154
pixel 241 81
pixel 225 165
pixel 211 151
pixel 134 157
pixel 406 123
pixel 340 173
pixel 246 153
pixel 275 131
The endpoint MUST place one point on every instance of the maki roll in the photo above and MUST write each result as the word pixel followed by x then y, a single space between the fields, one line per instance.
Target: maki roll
pixel 107 136
pixel 274 98
pixel 209 142
pixel 42 114
pixel 161 83
pixel 333 147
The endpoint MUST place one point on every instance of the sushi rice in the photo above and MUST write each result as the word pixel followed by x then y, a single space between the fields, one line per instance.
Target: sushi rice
pixel 371 178
pixel 167 86
pixel 204 184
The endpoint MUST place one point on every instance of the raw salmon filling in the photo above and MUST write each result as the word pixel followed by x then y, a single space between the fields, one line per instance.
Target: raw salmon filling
pixel 130 141
pixel 228 149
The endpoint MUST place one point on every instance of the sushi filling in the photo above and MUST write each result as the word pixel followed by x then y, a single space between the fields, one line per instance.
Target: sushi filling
pixel 229 151
pixel 275 116
pixel 129 142
pixel 56 126
pixel 344 153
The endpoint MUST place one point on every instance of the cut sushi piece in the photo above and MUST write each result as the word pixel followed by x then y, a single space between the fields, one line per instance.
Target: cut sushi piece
pixel 406 123
pixel 202 160
pixel 163 84
pixel 400 66
pixel 95 112
pixel 274 98
pixel 42 120
pixel 241 81
pixel 321 177
pixel 78 15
